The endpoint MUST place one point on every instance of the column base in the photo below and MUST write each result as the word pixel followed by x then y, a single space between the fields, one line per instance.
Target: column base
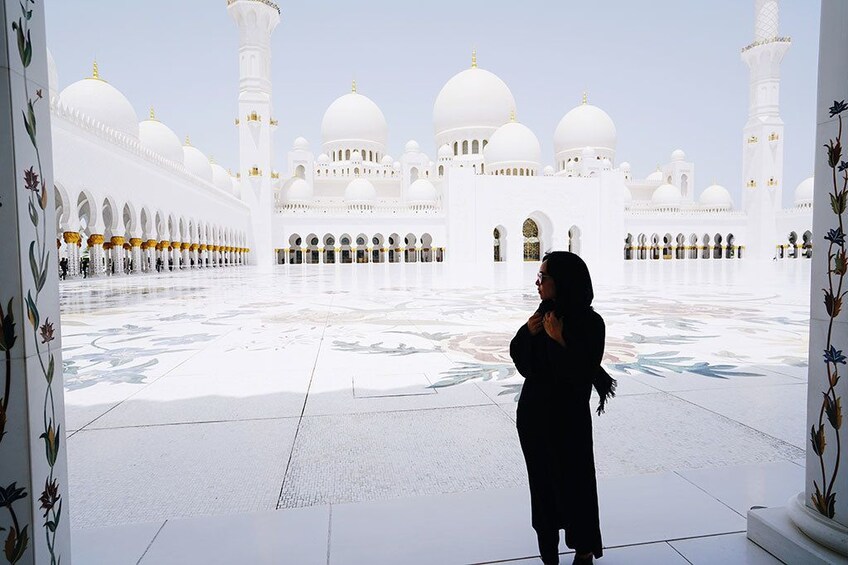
pixel 783 531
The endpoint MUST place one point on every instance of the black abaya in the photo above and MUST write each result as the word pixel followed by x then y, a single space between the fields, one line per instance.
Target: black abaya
pixel 554 423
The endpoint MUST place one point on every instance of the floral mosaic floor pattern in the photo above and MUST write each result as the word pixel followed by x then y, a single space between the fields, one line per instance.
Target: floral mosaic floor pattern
pixel 233 391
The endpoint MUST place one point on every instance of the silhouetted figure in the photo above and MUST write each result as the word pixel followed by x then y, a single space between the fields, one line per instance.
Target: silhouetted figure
pixel 558 352
pixel 158 264
pixel 84 267
pixel 63 268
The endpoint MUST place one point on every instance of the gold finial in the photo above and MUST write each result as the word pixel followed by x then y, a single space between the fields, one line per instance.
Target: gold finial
pixel 211 159
pixel 152 113
pixel 95 73
pixel 512 115
pixel 585 97
pixel 473 58
pixel 187 141
pixel 353 85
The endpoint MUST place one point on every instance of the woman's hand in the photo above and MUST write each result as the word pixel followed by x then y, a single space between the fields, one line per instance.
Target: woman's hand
pixel 553 327
pixel 534 324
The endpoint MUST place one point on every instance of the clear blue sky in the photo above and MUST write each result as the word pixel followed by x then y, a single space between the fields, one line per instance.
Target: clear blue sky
pixel 667 71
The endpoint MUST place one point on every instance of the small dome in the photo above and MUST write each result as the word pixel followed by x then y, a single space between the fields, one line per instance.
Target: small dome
pixel 666 195
pixel 197 163
pixel 412 147
pixel 354 118
pixel 804 192
pixel 445 151
pixel 656 176
pixel 300 144
pixel 387 160
pixel 52 75
pixel 625 167
pixel 356 155
pixel 678 155
pixel 323 158
pixel 298 191
pixel 513 143
pixel 473 98
pixel 360 191
pixel 549 171
pixel 585 125
pixel 716 196
pixel 221 178
pixel 98 99
pixel 422 191
pixel 569 167
pixel 158 137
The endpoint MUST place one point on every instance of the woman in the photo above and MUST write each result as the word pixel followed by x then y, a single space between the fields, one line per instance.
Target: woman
pixel 558 352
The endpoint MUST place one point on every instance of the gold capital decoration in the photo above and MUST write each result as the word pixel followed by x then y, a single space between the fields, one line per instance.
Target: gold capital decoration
pixel 117 240
pixel 184 245
pixel 107 245
pixel 203 247
pixel 164 243
pixel 193 247
pixel 151 243
pixel 144 245
pixel 174 245
pixel 127 246
pixel 95 239
pixel 71 237
pixel 135 241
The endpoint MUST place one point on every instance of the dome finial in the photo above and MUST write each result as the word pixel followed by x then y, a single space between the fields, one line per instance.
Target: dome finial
pixel 187 141
pixel 152 113
pixel 353 85
pixel 95 73
pixel 512 115
pixel 474 58
pixel 585 96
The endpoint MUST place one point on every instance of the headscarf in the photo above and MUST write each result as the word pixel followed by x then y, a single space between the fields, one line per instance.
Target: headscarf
pixel 573 305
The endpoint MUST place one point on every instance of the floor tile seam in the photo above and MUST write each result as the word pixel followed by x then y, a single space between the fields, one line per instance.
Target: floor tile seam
pixel 149 545
pixel 424 409
pixel 167 424
pixel 747 387
pixel 143 388
pixel 329 532
pixel 728 418
pixel 305 402
pixel 677 551
pixel 702 489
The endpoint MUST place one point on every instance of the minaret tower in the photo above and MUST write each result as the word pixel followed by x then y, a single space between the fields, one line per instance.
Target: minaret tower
pixel 256 20
pixel 762 153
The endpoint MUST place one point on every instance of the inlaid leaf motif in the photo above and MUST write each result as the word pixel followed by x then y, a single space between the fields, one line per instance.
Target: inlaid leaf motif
pixel 818 440
pixel 833 409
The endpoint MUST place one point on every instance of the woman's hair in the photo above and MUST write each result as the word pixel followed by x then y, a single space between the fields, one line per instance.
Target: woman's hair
pixel 572 282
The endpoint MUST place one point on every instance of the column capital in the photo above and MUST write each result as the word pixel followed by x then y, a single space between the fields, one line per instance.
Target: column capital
pixel 95 239
pixel 71 237
pixel 135 241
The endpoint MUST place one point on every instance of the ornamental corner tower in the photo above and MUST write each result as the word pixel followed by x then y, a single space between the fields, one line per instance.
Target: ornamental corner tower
pixel 256 21
pixel 762 153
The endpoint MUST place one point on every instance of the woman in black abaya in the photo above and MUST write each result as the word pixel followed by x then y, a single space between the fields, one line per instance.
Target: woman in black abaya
pixel 558 352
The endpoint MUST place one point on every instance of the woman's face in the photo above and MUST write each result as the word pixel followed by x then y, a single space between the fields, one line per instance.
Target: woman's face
pixel 545 283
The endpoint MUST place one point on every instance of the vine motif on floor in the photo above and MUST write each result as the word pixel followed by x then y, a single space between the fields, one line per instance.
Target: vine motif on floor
pixel 824 497
pixel 43 331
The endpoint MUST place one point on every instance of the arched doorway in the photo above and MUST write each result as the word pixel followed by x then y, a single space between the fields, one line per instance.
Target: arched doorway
pixel 499 244
pixel 574 242
pixel 532 249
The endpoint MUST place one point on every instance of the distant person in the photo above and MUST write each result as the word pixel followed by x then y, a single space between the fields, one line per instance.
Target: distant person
pixel 158 264
pixel 63 268
pixel 558 352
pixel 84 267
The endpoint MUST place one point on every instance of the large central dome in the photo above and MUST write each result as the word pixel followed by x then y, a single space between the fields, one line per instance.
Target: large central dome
pixel 354 117
pixel 474 98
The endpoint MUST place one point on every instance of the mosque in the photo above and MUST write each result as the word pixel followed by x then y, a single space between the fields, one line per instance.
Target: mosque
pixel 131 195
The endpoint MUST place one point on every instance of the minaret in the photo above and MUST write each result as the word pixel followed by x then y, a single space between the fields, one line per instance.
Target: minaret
pixel 256 20
pixel 762 153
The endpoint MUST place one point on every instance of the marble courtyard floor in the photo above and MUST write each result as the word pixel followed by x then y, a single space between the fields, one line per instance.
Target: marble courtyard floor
pixel 227 392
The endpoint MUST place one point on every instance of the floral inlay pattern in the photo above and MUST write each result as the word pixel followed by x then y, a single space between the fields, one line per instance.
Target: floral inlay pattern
pixel 824 496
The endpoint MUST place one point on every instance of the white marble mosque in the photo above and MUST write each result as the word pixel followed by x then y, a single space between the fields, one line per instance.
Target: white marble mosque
pixel 488 196
pixel 290 408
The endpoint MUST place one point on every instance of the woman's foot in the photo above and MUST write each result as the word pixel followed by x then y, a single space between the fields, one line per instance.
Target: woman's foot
pixel 549 547
pixel 582 559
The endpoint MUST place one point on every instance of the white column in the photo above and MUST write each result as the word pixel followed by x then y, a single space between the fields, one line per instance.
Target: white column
pixel 34 516
pixel 813 526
